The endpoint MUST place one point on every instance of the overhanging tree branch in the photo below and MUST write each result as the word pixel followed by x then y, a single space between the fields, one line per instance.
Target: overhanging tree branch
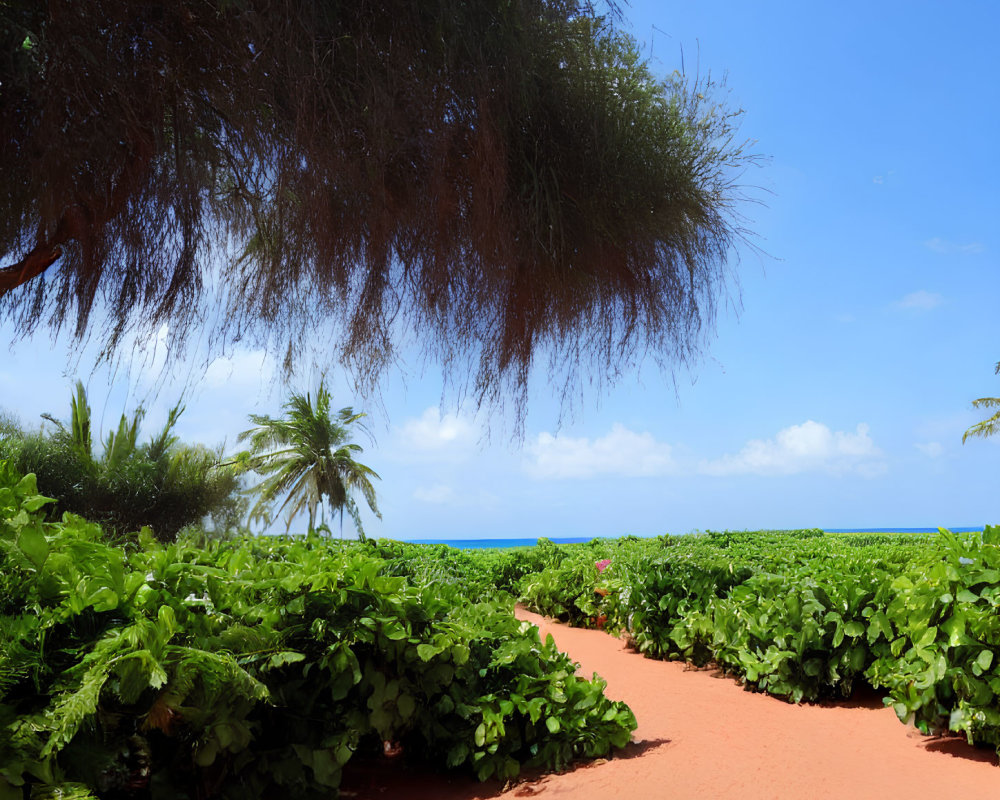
pixel 492 181
pixel 31 266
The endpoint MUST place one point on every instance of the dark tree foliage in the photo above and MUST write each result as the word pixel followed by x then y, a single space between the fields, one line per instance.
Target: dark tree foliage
pixel 491 179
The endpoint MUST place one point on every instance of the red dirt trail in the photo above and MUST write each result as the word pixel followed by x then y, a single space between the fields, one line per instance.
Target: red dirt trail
pixel 701 736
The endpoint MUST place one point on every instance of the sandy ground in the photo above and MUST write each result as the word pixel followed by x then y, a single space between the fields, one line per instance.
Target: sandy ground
pixel 701 736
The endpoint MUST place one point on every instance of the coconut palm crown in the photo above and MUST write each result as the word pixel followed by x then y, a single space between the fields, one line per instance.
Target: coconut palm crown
pixel 991 425
pixel 305 458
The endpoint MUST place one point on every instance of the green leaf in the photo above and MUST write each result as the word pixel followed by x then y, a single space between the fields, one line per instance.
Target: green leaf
pixel 552 723
pixel 326 768
pixel 285 657
pixel 8 792
pixel 985 660
pixel 205 755
pixel 927 638
pixel 406 705
pixel 35 502
pixel 33 544
pixel 456 755
pixel 991 535
pixel 427 651
pixel 854 628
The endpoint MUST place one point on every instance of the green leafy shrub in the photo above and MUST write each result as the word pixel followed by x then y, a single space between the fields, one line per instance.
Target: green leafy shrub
pixel 943 670
pixel 258 666
pixel 126 484
pixel 668 597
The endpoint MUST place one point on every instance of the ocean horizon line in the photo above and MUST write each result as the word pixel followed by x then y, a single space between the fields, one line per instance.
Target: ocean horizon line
pixel 531 541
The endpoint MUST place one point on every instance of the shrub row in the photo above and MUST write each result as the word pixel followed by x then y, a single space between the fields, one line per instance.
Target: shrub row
pixel 806 616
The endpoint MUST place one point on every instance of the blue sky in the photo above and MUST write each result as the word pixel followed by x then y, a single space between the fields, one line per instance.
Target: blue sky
pixel 839 382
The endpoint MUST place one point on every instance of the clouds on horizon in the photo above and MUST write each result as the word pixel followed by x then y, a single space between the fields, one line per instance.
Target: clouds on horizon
pixel 620 452
pixel 809 447
pixel 241 369
pixel 442 437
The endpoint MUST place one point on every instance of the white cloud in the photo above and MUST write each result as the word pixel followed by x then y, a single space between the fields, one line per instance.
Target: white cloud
pixel 919 301
pixel 437 494
pixel 809 447
pixel 619 452
pixel 930 449
pixel 939 245
pixel 243 369
pixel 436 434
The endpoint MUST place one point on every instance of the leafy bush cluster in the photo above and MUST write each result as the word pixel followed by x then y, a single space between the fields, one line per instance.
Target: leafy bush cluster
pixel 480 573
pixel 796 613
pixel 252 667
pixel 126 483
pixel 943 669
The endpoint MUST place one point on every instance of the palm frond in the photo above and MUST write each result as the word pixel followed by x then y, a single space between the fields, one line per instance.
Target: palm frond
pixel 80 419
pixel 986 402
pixel 164 440
pixel 988 427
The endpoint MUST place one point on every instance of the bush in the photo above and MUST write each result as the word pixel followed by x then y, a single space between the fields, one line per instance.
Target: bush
pixel 255 667
pixel 162 483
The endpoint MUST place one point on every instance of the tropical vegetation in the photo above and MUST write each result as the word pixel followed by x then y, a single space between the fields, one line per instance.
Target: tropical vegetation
pixel 249 666
pixel 805 615
pixel 991 425
pixel 306 458
pixel 264 665
pixel 125 483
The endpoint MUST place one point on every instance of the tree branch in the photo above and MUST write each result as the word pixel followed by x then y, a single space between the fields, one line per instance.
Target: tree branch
pixel 31 266
pixel 80 220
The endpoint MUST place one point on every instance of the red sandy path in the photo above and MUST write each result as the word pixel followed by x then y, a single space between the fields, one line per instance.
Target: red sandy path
pixel 701 736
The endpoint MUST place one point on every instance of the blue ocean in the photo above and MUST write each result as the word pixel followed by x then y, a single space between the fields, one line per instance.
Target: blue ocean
pixel 477 544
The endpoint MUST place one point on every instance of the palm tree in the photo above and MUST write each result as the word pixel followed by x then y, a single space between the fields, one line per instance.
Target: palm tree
pixel 991 425
pixel 307 458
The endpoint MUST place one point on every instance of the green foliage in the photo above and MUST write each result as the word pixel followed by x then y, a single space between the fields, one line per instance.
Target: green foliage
pixel 163 483
pixel 794 613
pixel 943 672
pixel 257 666
pixel 804 615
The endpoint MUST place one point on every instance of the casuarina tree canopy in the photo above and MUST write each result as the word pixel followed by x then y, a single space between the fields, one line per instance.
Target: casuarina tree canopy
pixel 491 179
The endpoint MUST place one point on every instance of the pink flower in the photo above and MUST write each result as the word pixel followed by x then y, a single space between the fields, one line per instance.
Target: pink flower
pixel 602 565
